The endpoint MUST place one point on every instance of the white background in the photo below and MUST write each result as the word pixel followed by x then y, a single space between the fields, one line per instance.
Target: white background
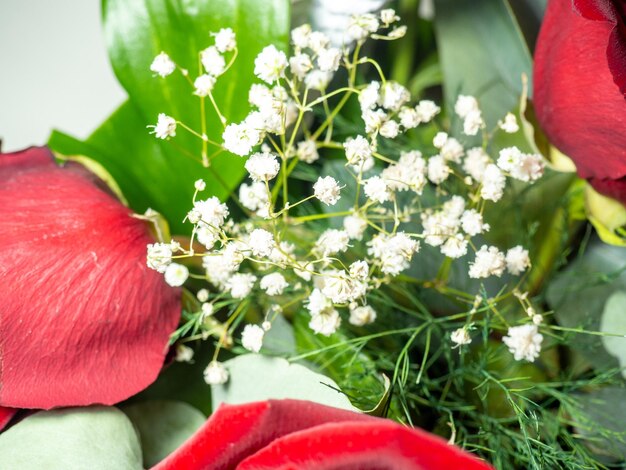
pixel 54 71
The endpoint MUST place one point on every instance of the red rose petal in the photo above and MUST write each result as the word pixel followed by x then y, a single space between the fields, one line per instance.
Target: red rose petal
pixel 299 434
pixel 597 10
pixel 83 320
pixel 6 414
pixel 612 188
pixel 372 445
pixel 577 103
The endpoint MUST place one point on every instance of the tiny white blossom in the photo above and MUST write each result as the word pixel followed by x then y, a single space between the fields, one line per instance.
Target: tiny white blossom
pixel 376 189
pixel 475 163
pixel 358 150
pixel 509 125
pixel 212 212
pixel 202 295
pixel 162 65
pixel 225 40
pixel 199 185
pixel 440 139
pixel 263 166
pixel 159 256
pixel 489 261
pixel 204 84
pixel 455 246
pixel 369 96
pixel 408 118
pixel 270 64
pixel 215 373
pixel 517 260
pixel 183 353
pixel 254 196
pixel 306 151
pixel 354 226
pixel 390 129
pixel 317 302
pixel 165 127
pixel 260 96
pixel 318 41
pixel 438 171
pixel 493 182
pixel 212 61
pixel 252 338
pixel 465 105
pixel 328 60
pixel 473 122
pixel 207 309
pixel 327 190
pixel 373 119
pixel 332 241
pixel 362 315
pixel 176 274
pixel 359 270
pixel 472 223
pixel 300 36
pixel 361 26
pixel 393 95
pixel 452 150
pixel 326 322
pixel 397 32
pixel 240 285
pixel 300 65
pixel 524 342
pixel 427 110
pixel 261 242
pixel 273 284
pixel 317 80
pixel 240 138
pixel 460 336
pixel 388 16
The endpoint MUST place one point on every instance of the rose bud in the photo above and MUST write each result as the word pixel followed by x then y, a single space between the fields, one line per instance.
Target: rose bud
pixel 306 435
pixel 83 319
pixel 579 85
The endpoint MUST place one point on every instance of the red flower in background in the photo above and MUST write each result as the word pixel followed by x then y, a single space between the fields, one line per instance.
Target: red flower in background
pixel 82 319
pixel 293 434
pixel 579 86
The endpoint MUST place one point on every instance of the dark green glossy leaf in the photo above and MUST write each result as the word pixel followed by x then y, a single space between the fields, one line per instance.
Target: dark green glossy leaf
pixel 97 438
pixel 160 174
pixel 483 53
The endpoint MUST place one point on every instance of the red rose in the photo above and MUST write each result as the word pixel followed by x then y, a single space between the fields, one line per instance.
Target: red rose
pixel 579 86
pixel 294 434
pixel 82 318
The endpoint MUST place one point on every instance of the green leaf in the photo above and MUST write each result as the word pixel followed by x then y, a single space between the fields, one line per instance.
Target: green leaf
pixel 97 438
pixel 163 426
pixel 614 322
pixel 482 53
pixel 160 174
pixel 578 296
pixel 254 377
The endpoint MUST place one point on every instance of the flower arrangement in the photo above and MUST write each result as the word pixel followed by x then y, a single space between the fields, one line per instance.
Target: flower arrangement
pixel 305 245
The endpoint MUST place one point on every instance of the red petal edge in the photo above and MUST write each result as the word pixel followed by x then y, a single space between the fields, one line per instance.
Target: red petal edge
pixel 83 320
pixel 277 434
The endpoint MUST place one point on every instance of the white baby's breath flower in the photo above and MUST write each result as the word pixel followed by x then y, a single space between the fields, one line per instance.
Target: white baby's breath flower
pixel 493 182
pixel 475 163
pixel 358 150
pixel 300 65
pixel 376 189
pixel 455 246
pixel 240 285
pixel 176 274
pixel 261 242
pixel 204 84
pixel 489 261
pixel 317 80
pixel 397 32
pixel 207 310
pixel 159 256
pixel 332 241
pixel 183 353
pixel 517 260
pixel 215 373
pixel 389 129
pixel 225 40
pixel 318 41
pixel 354 226
pixel 427 110
pixel 373 119
pixel 460 336
pixel 388 16
pixel 438 171
pixel 328 60
pixel 327 190
pixel 273 284
pixel 408 117
pixel 252 338
pixel 202 295
pixel 465 105
pixel 472 223
pixel 361 26
pixel 263 166
pixel 452 150
pixel 393 95
pixel 440 139
pixel 326 322
pixel 199 185
pixel 254 196
pixel 509 125
pixel 165 127
pixel 240 138
pixel 473 122
pixel 362 315
pixel 317 302
pixel 306 151
pixel 162 65
pixel 300 36
pixel 270 64
pixel 212 212
pixel 369 96
pixel 524 342
pixel 359 270
pixel 212 61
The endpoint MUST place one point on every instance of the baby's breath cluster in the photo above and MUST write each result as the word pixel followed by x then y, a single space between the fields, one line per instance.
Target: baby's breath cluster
pixel 380 215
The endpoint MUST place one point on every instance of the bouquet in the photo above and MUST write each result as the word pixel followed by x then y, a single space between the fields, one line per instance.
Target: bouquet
pixel 367 236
